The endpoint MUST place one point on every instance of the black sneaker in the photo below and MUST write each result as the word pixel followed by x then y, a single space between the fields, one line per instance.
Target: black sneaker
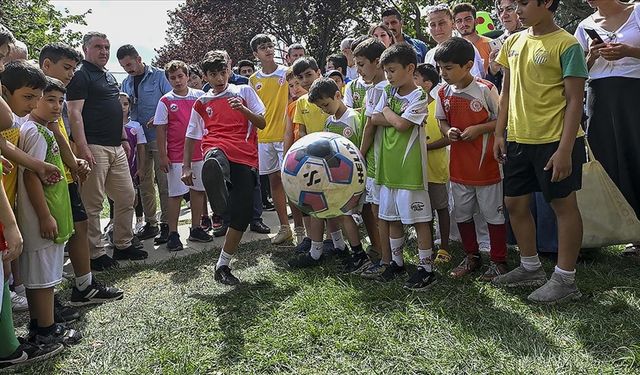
pixel 327 248
pixel 135 241
pixel 130 253
pixel 421 280
pixel 215 175
pixel 174 243
pixel 268 206
pixel 259 226
pixel 102 263
pixel 392 271
pixel 60 334
pixel 148 231
pixel 304 246
pixel 29 353
pixel 163 237
pixel 95 293
pixel 329 251
pixel 357 262
pixel 223 275
pixel 198 234
pixel 216 221
pixel 221 231
pixel 62 313
pixel 304 261
pixel 205 223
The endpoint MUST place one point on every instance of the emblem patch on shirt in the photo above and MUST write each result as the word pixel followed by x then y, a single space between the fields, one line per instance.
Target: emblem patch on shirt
pixel 447 105
pixel 475 105
pixel 347 132
pixel 281 80
pixel 209 111
pixel 356 96
pixel 173 107
pixel 258 86
pixel 540 57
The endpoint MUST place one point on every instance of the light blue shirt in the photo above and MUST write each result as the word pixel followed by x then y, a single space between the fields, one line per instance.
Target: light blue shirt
pixel 153 86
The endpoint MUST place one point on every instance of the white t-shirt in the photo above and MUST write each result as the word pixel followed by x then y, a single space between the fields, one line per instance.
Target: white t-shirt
pixel 352 72
pixel 628 33
pixel 476 70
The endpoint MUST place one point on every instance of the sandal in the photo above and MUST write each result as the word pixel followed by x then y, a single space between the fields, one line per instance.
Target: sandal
pixel 631 250
pixel 442 257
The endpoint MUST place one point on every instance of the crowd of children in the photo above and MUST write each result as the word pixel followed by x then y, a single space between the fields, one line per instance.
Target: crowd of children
pixel 440 142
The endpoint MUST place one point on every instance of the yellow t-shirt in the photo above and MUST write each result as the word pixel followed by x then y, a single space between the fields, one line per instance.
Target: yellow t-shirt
pixel 10 181
pixel 537 67
pixel 273 90
pixel 309 115
pixel 437 160
pixel 67 172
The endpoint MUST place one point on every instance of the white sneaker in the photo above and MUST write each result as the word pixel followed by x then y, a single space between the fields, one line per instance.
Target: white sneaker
pixel 284 234
pixel 18 302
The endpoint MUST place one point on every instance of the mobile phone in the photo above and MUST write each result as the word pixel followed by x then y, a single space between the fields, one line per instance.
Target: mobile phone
pixel 594 35
pixel 495 44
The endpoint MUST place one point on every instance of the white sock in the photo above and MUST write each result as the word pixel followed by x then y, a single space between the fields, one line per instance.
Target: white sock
pixel 338 240
pixel 224 259
pixel 425 259
pixel 316 250
pixel 567 276
pixel 530 263
pixel 397 245
pixel 83 282
pixel 20 290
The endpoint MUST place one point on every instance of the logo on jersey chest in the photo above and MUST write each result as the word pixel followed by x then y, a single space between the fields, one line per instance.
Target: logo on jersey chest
pixel 347 132
pixel 209 111
pixel 541 56
pixel 447 105
pixel 258 86
pixel 475 105
pixel 356 96
pixel 173 107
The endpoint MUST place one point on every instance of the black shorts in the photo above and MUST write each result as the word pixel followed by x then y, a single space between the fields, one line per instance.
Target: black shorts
pixel 524 170
pixel 77 208
pixel 243 183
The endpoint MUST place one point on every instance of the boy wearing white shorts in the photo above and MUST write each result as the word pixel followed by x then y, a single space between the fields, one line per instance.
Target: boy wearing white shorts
pixel 44 215
pixel 467 109
pixel 402 169
pixel 172 119
pixel 271 85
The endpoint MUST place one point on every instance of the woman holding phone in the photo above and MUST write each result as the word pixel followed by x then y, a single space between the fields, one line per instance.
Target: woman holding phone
pixel 611 40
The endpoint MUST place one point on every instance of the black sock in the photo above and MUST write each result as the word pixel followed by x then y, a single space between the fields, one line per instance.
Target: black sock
pixel 46 331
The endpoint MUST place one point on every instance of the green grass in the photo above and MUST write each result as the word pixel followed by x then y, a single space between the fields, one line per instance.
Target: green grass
pixel 175 319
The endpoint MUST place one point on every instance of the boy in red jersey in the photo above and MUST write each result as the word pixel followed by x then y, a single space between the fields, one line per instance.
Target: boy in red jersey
pixel 467 109
pixel 225 120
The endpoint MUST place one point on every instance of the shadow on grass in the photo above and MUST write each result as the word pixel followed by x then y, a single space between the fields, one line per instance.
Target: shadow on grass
pixel 237 310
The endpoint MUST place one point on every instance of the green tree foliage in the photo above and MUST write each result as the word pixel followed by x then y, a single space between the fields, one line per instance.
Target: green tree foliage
pixel 37 23
pixel 202 25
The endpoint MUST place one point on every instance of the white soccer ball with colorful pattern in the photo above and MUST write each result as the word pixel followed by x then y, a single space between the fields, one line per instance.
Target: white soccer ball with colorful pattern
pixel 324 175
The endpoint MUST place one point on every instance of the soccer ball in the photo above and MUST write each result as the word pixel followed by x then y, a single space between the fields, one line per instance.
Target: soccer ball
pixel 324 175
